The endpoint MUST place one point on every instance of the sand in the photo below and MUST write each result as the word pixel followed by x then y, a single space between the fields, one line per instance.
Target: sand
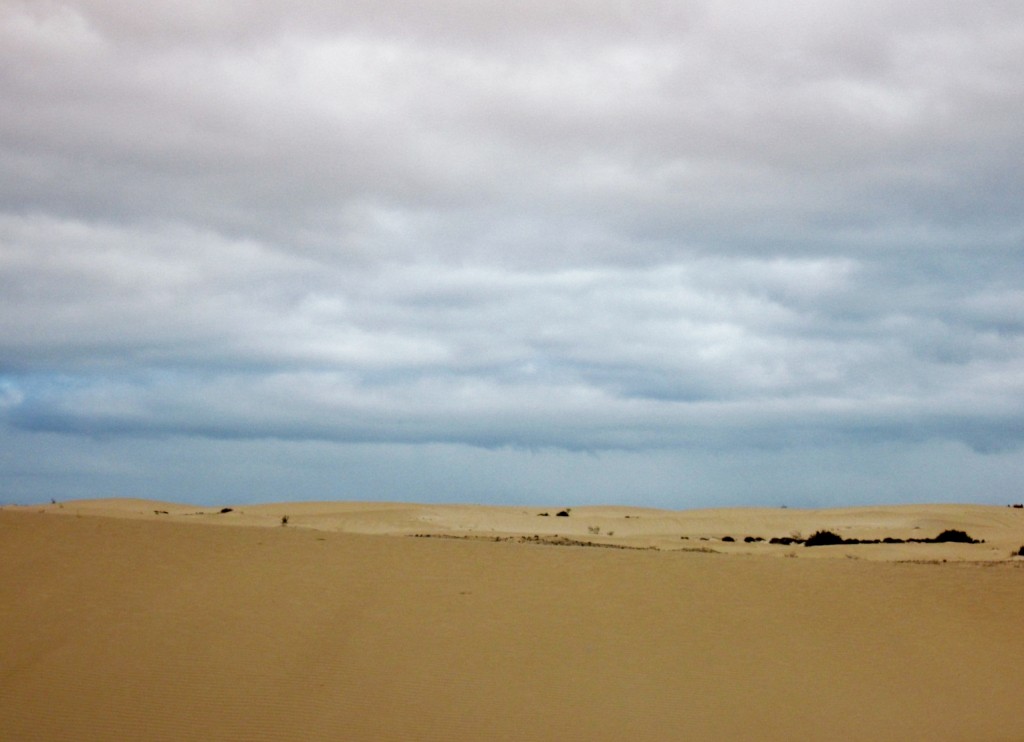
pixel 129 619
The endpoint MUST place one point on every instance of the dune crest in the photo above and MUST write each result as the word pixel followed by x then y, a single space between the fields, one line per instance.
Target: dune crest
pixel 726 530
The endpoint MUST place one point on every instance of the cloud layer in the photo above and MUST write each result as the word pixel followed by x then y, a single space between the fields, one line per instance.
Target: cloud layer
pixel 660 232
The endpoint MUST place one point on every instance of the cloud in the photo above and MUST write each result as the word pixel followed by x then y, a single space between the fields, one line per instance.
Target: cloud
pixel 696 226
pixel 193 334
pixel 720 128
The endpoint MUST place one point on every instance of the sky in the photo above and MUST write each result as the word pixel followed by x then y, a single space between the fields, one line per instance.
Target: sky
pixel 673 254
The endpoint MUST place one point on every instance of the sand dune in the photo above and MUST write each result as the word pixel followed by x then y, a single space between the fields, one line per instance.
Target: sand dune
pixel 1001 528
pixel 132 619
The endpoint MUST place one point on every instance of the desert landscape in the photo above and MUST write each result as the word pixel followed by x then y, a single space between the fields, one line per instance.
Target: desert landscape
pixel 142 620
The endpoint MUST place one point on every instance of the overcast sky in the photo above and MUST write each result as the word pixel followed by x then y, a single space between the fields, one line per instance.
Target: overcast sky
pixel 678 254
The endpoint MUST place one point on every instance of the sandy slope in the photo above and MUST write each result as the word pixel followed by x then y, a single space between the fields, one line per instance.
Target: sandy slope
pixel 118 623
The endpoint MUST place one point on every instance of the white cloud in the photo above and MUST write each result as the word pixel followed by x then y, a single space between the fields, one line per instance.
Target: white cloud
pixel 584 225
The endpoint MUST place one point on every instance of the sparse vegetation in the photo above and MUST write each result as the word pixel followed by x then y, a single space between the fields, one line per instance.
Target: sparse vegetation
pixel 284 520
pixel 824 538
pixel 952 536
pixel 827 538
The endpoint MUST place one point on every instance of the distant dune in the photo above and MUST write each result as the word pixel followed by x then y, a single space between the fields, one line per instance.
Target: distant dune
pixel 130 620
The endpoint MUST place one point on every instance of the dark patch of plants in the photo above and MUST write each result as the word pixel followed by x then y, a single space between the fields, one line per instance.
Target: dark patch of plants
pixel 786 540
pixel 752 539
pixel 827 538
pixel 824 538
pixel 226 510
pixel 956 537
pixel 730 539
pixel 563 513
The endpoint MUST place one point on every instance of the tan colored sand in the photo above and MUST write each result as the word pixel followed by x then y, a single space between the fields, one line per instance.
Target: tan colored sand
pixel 119 623
pixel 1002 528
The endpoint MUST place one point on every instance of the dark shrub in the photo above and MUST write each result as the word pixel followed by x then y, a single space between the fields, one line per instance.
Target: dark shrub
pixel 563 513
pixel 785 540
pixel 728 538
pixel 824 538
pixel 1020 552
pixel 225 510
pixel 956 537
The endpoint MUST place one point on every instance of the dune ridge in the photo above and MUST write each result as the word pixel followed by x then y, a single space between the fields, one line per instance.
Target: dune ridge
pixel 725 529
pixel 119 622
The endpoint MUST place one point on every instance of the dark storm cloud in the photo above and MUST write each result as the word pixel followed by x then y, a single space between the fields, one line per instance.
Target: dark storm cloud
pixel 586 226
